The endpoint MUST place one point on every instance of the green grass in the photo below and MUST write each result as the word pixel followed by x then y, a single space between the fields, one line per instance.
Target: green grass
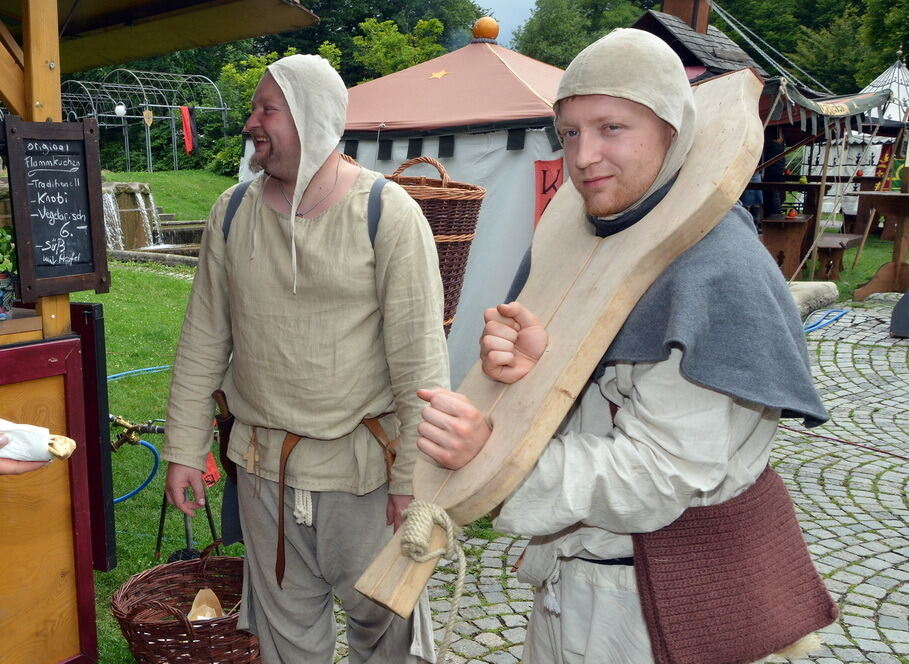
pixel 142 315
pixel 187 194
pixel 875 253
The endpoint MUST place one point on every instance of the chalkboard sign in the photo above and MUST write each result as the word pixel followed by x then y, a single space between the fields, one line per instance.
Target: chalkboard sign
pixel 55 190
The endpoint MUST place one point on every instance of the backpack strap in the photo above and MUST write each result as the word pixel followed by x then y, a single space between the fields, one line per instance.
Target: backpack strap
pixel 235 198
pixel 374 209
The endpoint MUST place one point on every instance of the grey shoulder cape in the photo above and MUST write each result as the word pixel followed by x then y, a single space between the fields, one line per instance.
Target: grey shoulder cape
pixel 725 305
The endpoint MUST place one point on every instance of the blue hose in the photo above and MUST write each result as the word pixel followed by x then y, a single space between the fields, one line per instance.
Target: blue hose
pixel 151 475
pixel 132 372
pixel 827 317
pixel 147 445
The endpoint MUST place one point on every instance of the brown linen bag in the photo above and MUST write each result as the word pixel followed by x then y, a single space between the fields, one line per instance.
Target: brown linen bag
pixel 730 583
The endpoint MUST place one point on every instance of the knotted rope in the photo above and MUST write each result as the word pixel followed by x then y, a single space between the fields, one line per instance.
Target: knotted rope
pixel 421 516
pixel 303 507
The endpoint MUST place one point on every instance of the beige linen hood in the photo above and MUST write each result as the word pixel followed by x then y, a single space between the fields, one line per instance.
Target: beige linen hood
pixel 638 66
pixel 317 99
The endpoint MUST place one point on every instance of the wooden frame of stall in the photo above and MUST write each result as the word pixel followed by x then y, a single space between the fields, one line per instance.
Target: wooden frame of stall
pixel 47 601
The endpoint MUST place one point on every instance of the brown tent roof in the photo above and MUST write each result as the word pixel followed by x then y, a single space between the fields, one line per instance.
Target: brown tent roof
pixel 480 85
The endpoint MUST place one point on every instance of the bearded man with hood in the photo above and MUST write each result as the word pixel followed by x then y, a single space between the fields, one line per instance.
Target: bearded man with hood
pixel 309 330
pixel 683 407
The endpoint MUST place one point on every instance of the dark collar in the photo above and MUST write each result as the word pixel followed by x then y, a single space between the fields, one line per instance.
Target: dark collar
pixel 604 228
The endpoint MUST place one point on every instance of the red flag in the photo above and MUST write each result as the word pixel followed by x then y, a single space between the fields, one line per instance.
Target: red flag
pixel 211 474
pixel 190 135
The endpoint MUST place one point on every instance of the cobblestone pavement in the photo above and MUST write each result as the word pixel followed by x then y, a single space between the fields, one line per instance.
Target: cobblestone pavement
pixel 853 504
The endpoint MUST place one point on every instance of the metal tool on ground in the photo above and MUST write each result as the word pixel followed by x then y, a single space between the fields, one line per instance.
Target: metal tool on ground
pixel 189 552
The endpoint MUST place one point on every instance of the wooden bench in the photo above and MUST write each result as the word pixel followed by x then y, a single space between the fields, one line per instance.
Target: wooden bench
pixel 830 248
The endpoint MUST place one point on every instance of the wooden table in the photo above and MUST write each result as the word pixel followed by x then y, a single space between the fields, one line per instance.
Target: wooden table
pixel 853 223
pixel 811 207
pixel 783 236
pixel 810 189
pixel 893 276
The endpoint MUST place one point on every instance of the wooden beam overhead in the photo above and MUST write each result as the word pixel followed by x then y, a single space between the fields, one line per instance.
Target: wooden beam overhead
pixel 12 87
pixel 143 29
pixel 15 50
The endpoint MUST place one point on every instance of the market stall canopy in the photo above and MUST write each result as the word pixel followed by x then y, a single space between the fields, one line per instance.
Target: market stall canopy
pixel 109 32
pixel 480 86
pixel 789 104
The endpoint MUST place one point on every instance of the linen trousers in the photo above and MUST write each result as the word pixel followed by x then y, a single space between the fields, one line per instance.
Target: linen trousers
pixel 296 623
pixel 599 621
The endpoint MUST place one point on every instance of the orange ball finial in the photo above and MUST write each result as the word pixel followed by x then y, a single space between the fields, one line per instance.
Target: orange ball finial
pixel 485 28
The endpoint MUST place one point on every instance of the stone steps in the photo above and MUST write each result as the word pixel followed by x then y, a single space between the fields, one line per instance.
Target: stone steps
pixel 181 232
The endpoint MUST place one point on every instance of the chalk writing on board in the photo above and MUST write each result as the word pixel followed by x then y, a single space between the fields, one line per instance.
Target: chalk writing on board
pixel 58 207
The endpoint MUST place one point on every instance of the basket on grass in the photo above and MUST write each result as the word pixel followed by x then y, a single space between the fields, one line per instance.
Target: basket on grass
pixel 151 608
pixel 451 209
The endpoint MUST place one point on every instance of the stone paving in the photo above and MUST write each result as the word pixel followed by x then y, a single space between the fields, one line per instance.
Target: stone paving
pixel 853 504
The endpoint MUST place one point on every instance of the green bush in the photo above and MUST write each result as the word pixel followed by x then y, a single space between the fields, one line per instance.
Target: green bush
pixel 225 157
pixel 7 251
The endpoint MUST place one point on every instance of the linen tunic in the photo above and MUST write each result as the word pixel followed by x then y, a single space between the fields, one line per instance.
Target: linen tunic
pixel 674 445
pixel 361 334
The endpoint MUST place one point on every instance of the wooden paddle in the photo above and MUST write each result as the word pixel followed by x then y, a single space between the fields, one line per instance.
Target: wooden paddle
pixel 582 288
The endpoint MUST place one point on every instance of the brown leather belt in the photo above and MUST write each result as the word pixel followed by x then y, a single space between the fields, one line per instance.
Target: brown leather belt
pixel 290 442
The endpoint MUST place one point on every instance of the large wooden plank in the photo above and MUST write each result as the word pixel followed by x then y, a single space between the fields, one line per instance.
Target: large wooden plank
pixel 583 289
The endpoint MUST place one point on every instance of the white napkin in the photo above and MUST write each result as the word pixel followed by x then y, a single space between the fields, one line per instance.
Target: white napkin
pixel 26 442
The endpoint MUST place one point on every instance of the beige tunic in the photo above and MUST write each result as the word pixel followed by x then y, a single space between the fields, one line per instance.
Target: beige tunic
pixel 361 334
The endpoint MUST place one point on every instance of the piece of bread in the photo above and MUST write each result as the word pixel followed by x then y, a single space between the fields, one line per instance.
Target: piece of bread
pixel 61 446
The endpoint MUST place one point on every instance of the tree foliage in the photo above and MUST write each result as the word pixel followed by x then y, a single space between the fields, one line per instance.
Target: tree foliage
pixel 829 53
pixel 885 30
pixel 554 33
pixel 340 22
pixel 844 44
pixel 383 49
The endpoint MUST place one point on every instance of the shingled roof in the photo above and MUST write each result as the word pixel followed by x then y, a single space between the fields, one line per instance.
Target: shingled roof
pixel 713 50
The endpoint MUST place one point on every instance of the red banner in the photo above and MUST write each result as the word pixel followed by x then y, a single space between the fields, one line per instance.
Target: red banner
pixel 883 162
pixel 547 180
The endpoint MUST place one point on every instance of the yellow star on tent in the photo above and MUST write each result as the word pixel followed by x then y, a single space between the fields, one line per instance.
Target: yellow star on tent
pixel 439 74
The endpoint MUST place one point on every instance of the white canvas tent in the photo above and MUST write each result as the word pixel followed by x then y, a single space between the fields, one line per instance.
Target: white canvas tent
pixel 485 113
pixel 862 150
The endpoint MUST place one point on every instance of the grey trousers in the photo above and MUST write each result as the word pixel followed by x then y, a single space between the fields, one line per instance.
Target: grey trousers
pixel 296 624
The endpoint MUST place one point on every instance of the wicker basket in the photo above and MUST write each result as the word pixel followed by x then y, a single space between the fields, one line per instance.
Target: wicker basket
pixel 151 608
pixel 451 209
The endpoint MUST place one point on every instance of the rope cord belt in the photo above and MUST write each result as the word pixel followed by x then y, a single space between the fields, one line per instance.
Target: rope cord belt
pixel 421 516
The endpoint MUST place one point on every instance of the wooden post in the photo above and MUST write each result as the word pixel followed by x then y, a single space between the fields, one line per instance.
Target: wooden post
pixel 873 213
pixel 41 70
pixel 818 228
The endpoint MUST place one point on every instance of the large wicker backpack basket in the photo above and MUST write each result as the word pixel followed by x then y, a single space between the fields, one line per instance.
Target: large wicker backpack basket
pixel 452 209
pixel 151 608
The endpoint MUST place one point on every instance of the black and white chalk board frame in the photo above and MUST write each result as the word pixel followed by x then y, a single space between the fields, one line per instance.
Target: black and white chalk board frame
pixel 55 191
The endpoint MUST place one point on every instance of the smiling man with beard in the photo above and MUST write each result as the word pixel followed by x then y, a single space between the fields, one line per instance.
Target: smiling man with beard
pixel 311 331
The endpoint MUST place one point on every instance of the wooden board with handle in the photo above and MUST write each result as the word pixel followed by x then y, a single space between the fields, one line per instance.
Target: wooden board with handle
pixel 582 288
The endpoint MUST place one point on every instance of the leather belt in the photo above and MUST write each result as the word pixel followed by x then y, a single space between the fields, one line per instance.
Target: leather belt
pixel 290 442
